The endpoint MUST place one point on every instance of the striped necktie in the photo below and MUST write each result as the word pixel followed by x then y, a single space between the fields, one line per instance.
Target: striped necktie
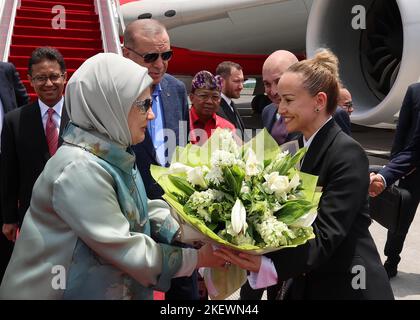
pixel 51 132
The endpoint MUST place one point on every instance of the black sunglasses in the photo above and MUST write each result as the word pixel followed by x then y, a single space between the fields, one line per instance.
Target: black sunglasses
pixel 143 105
pixel 152 57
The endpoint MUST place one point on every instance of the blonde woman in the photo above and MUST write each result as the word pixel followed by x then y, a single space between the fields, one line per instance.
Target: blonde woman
pixel 342 262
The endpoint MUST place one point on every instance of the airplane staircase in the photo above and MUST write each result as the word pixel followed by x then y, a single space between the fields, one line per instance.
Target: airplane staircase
pixel 34 27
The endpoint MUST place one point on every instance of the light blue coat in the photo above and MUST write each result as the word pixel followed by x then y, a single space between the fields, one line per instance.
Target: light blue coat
pixel 90 231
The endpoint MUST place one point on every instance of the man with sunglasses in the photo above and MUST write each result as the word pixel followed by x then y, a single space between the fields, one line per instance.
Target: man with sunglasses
pixel 30 136
pixel 147 43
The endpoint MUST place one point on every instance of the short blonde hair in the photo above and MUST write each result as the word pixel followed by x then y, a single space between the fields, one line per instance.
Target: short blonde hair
pixel 320 74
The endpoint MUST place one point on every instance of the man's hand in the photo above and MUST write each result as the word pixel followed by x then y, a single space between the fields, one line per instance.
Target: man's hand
pixel 376 185
pixel 10 231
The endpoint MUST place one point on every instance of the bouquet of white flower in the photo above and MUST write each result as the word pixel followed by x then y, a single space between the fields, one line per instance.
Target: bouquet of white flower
pixel 251 198
pixel 248 197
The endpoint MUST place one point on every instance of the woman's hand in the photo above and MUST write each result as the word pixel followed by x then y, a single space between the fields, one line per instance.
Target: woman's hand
pixel 206 258
pixel 242 260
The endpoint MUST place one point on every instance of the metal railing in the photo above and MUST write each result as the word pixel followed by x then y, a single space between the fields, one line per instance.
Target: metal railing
pixel 109 19
pixel 7 21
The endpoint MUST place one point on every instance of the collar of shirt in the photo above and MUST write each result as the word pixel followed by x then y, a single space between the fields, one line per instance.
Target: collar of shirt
pixel 196 120
pixel 228 100
pixel 58 108
pixel 158 89
pixel 307 143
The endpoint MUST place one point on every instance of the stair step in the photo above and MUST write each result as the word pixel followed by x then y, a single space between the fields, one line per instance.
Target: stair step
pixel 45 14
pixel 72 1
pixel 57 41
pixel 71 63
pixel 49 32
pixel 51 4
pixel 72 24
pixel 26 50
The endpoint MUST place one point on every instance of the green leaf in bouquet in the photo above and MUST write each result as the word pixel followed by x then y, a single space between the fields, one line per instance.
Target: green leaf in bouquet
pixel 309 185
pixel 292 210
pixel 234 183
pixel 297 157
pixel 182 185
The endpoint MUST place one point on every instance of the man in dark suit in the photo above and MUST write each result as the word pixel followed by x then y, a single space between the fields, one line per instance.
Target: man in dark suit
pixel 344 110
pixel 274 66
pixel 29 138
pixel 12 95
pixel 404 165
pixel 147 43
pixel 232 85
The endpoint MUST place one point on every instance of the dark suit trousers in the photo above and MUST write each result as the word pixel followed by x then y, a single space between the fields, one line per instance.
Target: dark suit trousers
pixel 395 241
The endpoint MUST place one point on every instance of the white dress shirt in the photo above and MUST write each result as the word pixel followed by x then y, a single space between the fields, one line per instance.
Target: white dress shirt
pixel 58 108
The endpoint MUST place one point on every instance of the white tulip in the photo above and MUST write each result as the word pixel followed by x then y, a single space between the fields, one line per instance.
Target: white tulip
pixel 276 184
pixel 238 217
pixel 195 176
pixel 252 166
pixel 178 167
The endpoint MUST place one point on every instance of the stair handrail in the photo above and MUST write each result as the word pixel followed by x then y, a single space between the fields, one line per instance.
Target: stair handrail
pixel 7 21
pixel 107 20
pixel 119 17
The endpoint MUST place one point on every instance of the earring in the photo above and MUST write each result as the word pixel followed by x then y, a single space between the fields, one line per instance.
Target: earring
pixel 317 110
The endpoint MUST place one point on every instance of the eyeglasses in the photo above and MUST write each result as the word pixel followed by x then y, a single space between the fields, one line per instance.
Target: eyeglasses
pixel 43 79
pixel 205 97
pixel 143 105
pixel 152 57
pixel 348 105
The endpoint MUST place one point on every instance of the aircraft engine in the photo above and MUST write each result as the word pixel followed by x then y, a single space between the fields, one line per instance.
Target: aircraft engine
pixel 378 45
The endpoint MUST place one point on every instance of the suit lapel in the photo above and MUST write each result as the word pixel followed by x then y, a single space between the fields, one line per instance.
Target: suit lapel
pixel 35 131
pixel 63 124
pixel 170 114
pixel 228 112
pixel 319 146
pixel 272 117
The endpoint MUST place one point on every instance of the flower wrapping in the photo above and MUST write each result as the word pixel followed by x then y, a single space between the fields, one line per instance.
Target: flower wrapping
pixel 249 197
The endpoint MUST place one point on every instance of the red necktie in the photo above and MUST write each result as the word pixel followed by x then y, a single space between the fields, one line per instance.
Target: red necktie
pixel 51 133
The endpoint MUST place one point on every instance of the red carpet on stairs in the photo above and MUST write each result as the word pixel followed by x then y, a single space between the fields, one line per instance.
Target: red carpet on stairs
pixel 33 28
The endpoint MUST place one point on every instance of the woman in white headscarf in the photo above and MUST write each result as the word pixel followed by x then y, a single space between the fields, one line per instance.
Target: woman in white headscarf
pixel 90 231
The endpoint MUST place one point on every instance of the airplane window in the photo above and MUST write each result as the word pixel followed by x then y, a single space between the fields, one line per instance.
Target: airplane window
pixel 170 13
pixel 145 16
